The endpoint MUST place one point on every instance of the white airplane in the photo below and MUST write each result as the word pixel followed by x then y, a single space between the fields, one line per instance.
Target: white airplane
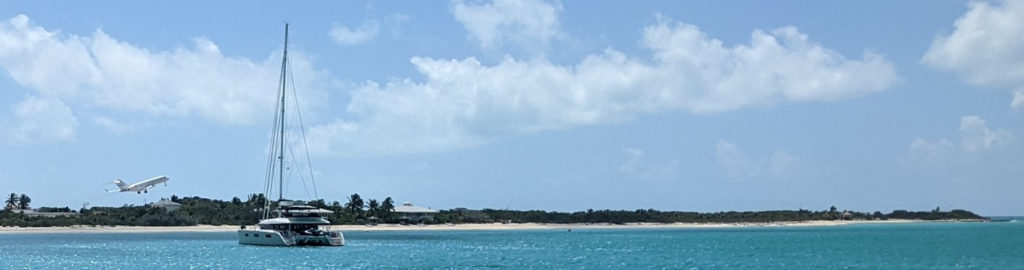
pixel 141 186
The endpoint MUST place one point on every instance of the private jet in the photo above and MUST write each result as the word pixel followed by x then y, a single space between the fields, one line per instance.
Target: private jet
pixel 141 186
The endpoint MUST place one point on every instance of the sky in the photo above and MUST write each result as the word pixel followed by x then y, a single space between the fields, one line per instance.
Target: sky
pixel 523 104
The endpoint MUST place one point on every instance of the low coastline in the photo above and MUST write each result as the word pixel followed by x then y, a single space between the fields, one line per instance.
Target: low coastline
pixel 468 226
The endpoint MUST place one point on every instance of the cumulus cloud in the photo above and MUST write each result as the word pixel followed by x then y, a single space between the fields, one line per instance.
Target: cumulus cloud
pixel 39 120
pixel 100 71
pixel 977 153
pixel 523 22
pixel 343 35
pixel 975 137
pixel 464 102
pixel 738 164
pixel 984 48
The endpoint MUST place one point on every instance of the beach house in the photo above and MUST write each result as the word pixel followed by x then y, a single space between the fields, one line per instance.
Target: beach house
pixel 414 214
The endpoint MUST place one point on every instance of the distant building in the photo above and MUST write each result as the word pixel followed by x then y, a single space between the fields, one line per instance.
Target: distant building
pixel 166 204
pixel 33 213
pixel 414 214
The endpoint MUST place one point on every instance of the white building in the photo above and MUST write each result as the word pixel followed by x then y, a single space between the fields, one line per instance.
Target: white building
pixel 34 213
pixel 414 214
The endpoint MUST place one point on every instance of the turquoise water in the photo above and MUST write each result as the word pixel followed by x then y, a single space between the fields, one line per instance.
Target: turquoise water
pixel 997 245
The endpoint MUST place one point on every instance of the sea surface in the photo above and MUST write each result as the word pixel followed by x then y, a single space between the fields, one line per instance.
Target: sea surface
pixel 993 245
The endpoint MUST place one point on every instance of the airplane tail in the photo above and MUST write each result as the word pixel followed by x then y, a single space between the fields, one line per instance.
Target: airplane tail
pixel 120 184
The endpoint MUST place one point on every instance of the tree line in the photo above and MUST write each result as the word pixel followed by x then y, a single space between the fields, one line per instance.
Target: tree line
pixel 194 210
pixel 655 216
pixel 197 210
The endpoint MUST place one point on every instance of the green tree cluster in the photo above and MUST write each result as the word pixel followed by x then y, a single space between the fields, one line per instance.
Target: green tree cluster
pixel 358 211
pixel 17 202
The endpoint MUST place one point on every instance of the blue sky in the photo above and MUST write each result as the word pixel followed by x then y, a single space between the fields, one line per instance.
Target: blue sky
pixel 675 105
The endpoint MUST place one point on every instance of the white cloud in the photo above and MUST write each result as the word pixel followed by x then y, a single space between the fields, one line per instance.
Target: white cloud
pixel 38 120
pixel 974 137
pixel 977 153
pixel 738 164
pixel 984 49
pixel 348 37
pixel 527 23
pixel 100 71
pixel 464 102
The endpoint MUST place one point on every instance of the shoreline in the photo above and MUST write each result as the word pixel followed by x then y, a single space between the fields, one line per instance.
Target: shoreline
pixel 462 227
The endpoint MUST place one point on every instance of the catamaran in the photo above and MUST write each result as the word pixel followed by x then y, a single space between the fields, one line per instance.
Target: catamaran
pixel 290 223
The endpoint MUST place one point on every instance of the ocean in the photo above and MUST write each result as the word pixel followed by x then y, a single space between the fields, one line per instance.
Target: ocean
pixel 994 245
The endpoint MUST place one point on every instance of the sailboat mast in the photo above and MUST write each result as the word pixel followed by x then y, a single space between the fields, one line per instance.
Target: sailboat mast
pixel 284 91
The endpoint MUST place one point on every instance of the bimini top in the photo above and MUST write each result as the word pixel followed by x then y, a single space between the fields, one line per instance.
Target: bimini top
pixel 304 212
pixel 301 220
pixel 299 209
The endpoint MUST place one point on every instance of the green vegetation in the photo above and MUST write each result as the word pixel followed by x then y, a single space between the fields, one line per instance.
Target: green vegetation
pixel 197 210
pixel 655 216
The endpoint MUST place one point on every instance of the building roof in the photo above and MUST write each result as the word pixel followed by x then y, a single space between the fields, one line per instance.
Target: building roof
pixel 407 207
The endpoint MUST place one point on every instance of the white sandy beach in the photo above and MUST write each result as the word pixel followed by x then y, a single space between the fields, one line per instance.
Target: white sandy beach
pixel 485 226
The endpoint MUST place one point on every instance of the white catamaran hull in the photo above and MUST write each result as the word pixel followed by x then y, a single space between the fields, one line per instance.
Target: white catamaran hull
pixel 276 238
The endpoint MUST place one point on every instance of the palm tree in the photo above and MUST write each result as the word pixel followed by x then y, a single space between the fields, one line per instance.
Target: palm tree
pixel 386 207
pixel 373 207
pixel 12 201
pixel 24 201
pixel 318 203
pixel 354 204
pixel 256 200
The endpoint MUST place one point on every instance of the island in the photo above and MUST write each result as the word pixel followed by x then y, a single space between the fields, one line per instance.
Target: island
pixel 194 211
